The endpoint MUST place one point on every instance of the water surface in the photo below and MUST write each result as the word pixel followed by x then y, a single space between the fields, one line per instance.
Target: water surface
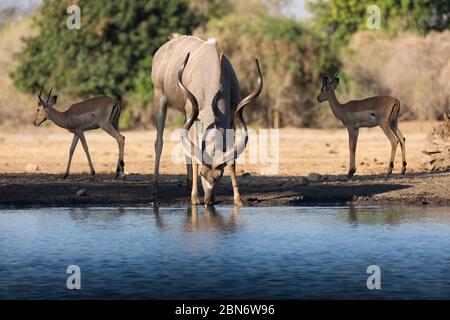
pixel 269 253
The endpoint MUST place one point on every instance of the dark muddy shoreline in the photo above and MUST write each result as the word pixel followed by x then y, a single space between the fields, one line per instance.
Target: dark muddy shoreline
pixel 25 190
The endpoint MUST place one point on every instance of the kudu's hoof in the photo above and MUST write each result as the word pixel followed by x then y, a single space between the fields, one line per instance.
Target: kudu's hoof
pixel 65 176
pixel 238 203
pixel 195 200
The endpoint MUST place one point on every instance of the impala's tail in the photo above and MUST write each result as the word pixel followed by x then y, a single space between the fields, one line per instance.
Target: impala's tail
pixel 393 118
pixel 115 114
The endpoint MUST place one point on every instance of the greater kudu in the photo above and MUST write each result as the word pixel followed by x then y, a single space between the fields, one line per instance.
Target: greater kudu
pixel 382 111
pixel 99 112
pixel 205 88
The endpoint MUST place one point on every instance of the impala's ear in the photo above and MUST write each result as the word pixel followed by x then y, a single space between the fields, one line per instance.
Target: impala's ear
pixel 52 100
pixel 335 83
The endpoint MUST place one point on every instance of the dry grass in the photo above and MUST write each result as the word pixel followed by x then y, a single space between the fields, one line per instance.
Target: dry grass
pixel 415 69
pixel 301 151
pixel 15 106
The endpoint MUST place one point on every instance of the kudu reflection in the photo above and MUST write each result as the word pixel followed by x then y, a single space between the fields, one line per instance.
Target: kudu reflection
pixel 207 220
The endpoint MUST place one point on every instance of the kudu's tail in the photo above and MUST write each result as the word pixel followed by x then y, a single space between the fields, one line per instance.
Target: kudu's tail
pixel 115 114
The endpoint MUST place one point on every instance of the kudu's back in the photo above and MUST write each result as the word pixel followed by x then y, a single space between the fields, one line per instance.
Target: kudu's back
pixel 207 73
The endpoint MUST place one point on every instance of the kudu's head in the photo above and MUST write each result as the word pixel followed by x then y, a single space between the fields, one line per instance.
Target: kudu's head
pixel 43 107
pixel 328 87
pixel 213 165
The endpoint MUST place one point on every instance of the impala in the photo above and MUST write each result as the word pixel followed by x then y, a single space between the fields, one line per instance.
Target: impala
pixel 380 111
pixel 99 112
pixel 206 89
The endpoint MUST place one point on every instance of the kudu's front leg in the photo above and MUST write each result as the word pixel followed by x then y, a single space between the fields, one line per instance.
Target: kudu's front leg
pixel 86 150
pixel 234 182
pixel 353 139
pixel 72 149
pixel 160 122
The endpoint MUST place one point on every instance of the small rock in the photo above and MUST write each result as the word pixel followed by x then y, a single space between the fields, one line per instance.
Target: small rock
pixel 302 181
pixel 81 193
pixel 246 175
pixel 362 163
pixel 314 177
pixel 375 159
pixel 32 167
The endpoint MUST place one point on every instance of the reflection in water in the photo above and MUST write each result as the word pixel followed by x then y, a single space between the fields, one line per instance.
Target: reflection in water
pixel 394 216
pixel 226 253
pixel 209 219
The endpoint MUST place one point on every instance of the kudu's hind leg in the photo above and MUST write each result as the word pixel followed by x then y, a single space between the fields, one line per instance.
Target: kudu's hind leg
pixel 72 149
pixel 86 150
pixel 194 167
pixel 188 171
pixel 121 143
pixel 160 122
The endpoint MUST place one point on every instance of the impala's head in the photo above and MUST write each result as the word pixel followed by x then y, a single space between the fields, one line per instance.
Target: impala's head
pixel 43 107
pixel 327 87
pixel 213 164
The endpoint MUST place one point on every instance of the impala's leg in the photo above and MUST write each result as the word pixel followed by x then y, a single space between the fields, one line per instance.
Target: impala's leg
pixel 234 182
pixel 121 143
pixel 72 149
pixel 160 121
pixel 402 141
pixel 86 150
pixel 353 139
pixel 194 170
pixel 394 143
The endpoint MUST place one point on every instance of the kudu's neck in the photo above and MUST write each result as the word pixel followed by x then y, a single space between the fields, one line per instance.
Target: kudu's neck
pixel 335 105
pixel 59 118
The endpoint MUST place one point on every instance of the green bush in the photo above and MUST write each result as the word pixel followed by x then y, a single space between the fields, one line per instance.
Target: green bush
pixel 110 54
pixel 291 59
